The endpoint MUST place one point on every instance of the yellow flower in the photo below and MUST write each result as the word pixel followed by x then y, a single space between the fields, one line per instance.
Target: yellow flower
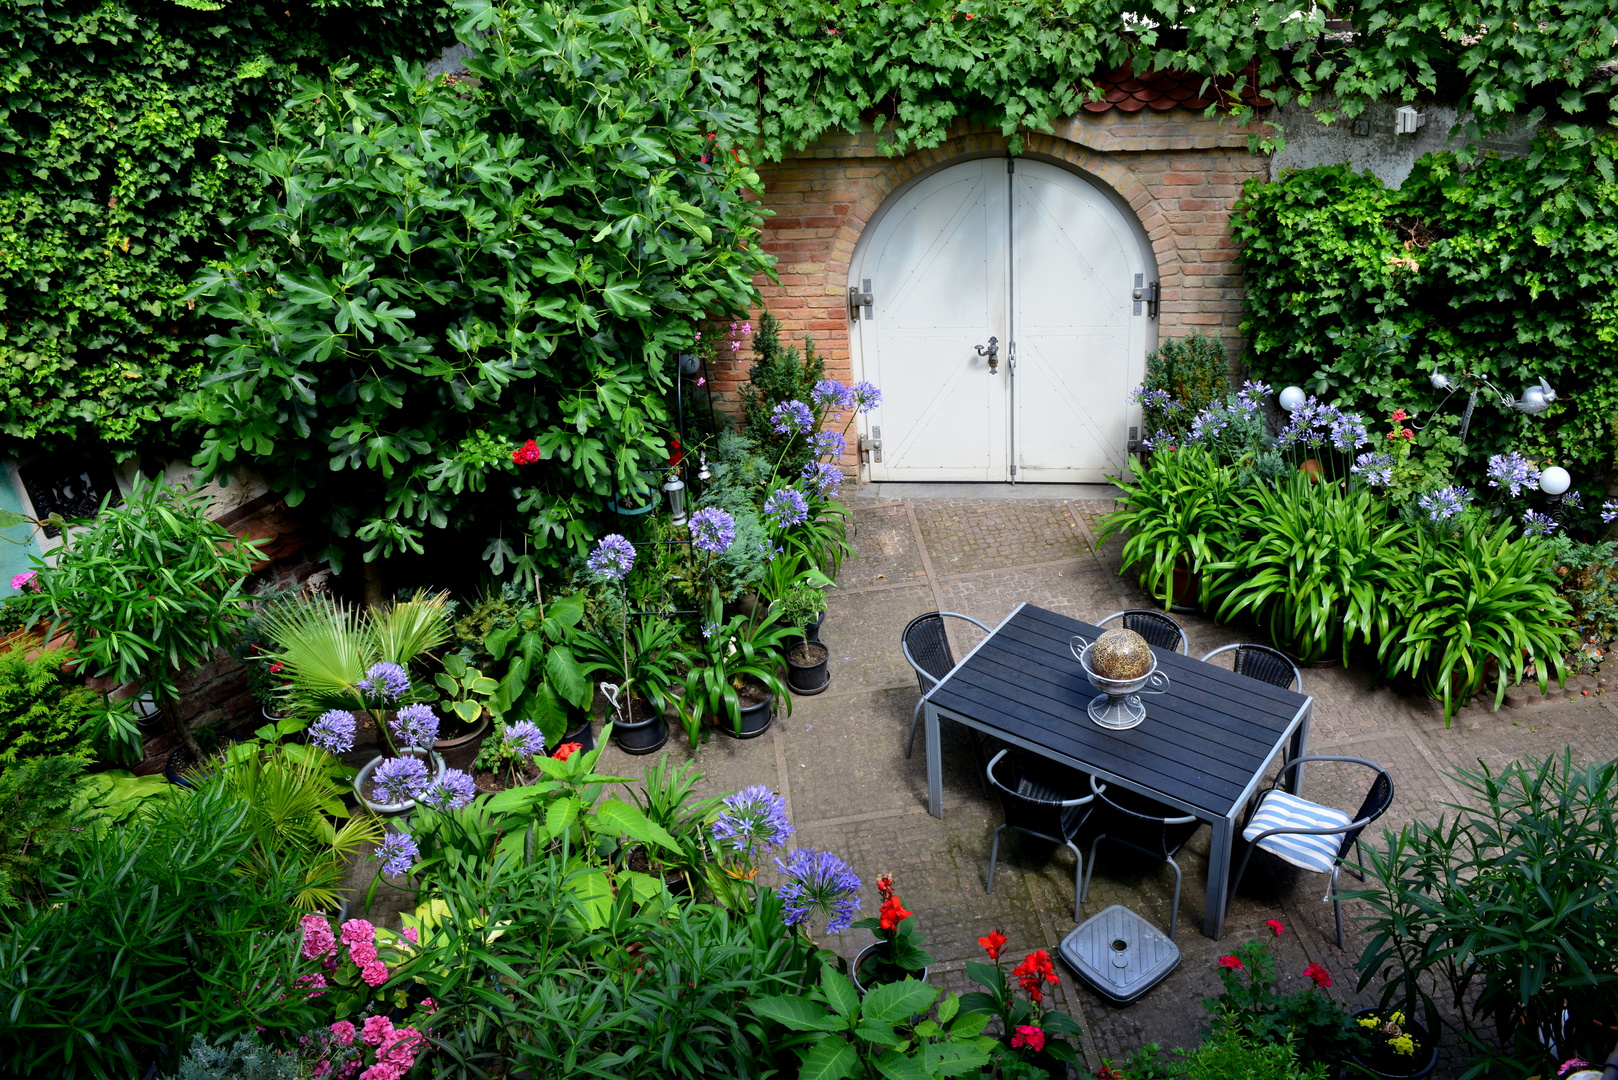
pixel 1402 1044
pixel 1397 1018
pixel 1368 1022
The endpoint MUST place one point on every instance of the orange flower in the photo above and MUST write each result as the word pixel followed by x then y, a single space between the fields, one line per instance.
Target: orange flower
pixel 993 944
pixel 566 750
pixel 893 913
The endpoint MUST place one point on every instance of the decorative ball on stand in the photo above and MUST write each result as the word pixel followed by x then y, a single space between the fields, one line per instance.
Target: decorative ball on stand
pixel 1121 655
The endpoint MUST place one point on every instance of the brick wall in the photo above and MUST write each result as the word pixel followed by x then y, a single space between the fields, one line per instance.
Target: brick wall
pixel 1179 173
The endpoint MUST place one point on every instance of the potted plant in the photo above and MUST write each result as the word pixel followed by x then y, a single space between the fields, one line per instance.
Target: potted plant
pixel 266 679
pixel 1033 1038
pixel 466 716
pixel 640 660
pixel 390 782
pixel 896 954
pixel 804 605
pixel 506 759
pixel 734 679
pixel 1395 1045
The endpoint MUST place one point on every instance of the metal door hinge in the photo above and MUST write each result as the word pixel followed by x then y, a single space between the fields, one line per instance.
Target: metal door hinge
pixel 1147 294
pixel 860 298
pixel 872 446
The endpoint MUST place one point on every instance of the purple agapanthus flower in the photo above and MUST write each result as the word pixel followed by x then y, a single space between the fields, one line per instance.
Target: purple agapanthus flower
pixel 1573 501
pixel 709 629
pixel 1513 472
pixel 1252 395
pixel 385 682
pixel 712 530
pixel 1314 424
pixel 791 418
pixel 1374 469
pixel 829 394
pixel 397 852
pixel 1537 524
pixel 1153 399
pixel 613 558
pixel 1445 503
pixel 1208 423
pixel 1609 511
pixel 451 791
pixel 753 821
pixel 824 477
pixel 829 444
pixel 523 737
pixel 867 396
pixel 786 507
pixel 399 779
pixel 818 882
pixel 334 731
pixel 1348 432
pixel 415 725
pixel 1161 437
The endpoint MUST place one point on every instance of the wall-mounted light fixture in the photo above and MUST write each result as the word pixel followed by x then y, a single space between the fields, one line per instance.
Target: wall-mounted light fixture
pixel 674 490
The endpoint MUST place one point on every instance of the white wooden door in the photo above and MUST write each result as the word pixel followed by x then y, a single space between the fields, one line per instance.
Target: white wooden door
pixel 1034 257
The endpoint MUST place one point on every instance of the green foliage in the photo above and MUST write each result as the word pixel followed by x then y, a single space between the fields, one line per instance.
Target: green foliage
pixel 150 936
pixel 38 818
pixel 1311 1020
pixel 1228 1055
pixel 1179 515
pixel 779 375
pixel 1194 372
pixel 1507 269
pixel 1503 913
pixel 732 652
pixel 244 1059
pixel 1588 576
pixel 527 266
pixel 42 711
pixel 116 181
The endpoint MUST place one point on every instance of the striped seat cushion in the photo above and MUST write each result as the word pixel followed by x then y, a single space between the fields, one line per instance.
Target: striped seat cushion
pixel 1280 810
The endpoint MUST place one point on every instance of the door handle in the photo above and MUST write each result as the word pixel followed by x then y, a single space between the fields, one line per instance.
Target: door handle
pixel 992 351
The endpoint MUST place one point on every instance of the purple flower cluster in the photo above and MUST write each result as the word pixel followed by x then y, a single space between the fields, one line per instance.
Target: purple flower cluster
pixel 753 821
pixel 524 738
pixel 786 507
pixel 825 478
pixel 867 396
pixel 831 395
pixel 451 791
pixel 1445 503
pixel 712 530
pixel 397 852
pixel 1208 423
pixel 791 418
pixel 1158 400
pixel 1609 511
pixel 1513 472
pixel 1374 469
pixel 1315 424
pixel 1573 501
pixel 385 682
pixel 334 731
pixel 829 444
pixel 1161 436
pixel 818 882
pixel 1251 395
pixel 613 558
pixel 709 629
pixel 399 779
pixel 415 725
pixel 1537 524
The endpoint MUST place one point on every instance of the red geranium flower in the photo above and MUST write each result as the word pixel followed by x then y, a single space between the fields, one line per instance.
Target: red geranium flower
pixel 1275 926
pixel 1400 414
pixel 1030 1036
pixel 893 912
pixel 526 454
pixel 676 453
pixel 993 944
pixel 1229 962
pixel 1318 975
pixel 275 669
pixel 1109 1073
pixel 566 750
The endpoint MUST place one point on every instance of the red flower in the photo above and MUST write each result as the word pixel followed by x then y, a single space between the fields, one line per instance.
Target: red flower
pixel 884 885
pixel 1399 415
pixel 1109 1073
pixel 1318 975
pixel 566 750
pixel 1275 926
pixel 893 912
pixel 526 454
pixel 1030 1036
pixel 275 669
pixel 1229 962
pixel 993 944
pixel 1407 434
pixel 1035 970
pixel 676 453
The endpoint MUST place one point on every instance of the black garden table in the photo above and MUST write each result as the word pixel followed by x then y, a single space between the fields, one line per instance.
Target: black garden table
pixel 1204 746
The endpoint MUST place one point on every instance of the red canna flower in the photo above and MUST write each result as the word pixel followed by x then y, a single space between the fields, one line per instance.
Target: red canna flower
pixel 993 944
pixel 1275 926
pixel 1318 975
pixel 566 750
pixel 884 885
pixel 893 912
pixel 1035 970
pixel 1229 962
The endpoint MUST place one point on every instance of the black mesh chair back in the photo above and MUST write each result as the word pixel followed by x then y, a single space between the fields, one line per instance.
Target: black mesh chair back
pixel 1157 628
pixel 1376 803
pixel 1159 830
pixel 926 643
pixel 1262 663
pixel 1049 804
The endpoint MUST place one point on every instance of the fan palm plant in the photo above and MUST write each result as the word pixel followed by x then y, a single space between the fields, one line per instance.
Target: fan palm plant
pixel 326 647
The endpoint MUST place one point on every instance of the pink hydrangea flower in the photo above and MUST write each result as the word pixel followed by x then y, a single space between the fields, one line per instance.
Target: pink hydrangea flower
pixel 362 953
pixel 350 1070
pixel 317 937
pixel 322 1068
pixel 377 1030
pixel 343 1033
pixel 374 974
pixel 356 931
pixel 400 1051
pixel 410 932
pixel 428 1005
pixel 315 981
pixel 381 1071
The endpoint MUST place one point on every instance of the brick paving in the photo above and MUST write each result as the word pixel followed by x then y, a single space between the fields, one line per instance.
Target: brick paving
pixel 839 760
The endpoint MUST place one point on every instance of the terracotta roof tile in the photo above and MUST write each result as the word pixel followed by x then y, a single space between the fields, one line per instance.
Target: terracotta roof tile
pixel 1161 91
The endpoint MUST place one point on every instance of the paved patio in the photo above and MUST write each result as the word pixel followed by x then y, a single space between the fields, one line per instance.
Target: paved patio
pixel 839 760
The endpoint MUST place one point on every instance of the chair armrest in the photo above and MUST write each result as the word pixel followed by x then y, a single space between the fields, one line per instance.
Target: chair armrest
pixel 1335 830
pixel 1207 656
pixel 968 618
pixel 1307 758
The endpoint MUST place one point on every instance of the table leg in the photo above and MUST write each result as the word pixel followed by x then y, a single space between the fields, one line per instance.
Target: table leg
pixel 1219 852
pixel 1299 747
pixel 935 763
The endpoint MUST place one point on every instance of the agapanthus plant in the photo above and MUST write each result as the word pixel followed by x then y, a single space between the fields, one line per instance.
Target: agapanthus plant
pixel 415 725
pixel 399 779
pixel 752 822
pixel 818 884
pixel 397 852
pixel 452 791
pixel 1443 504
pixel 1512 473
pixel 792 418
pixel 712 530
pixel 612 559
pixel 384 684
pixel 786 507
pixel 510 750
pixel 333 731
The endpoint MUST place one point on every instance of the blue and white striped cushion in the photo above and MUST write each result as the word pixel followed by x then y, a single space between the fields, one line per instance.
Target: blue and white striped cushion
pixel 1280 810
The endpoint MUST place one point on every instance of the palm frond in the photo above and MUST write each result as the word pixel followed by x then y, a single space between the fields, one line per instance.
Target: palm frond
pixel 324 647
pixel 405 630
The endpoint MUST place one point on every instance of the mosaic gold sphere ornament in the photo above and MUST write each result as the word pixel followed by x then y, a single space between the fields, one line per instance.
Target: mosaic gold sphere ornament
pixel 1121 655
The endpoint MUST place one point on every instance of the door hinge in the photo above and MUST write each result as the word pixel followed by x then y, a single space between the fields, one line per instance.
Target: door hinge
pixel 1011 165
pixel 872 446
pixel 860 298
pixel 1014 470
pixel 1147 294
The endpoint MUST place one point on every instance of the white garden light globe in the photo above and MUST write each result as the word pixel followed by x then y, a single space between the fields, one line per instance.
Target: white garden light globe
pixel 1291 398
pixel 1554 480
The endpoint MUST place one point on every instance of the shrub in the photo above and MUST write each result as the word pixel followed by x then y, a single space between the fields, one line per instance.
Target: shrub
pixel 38 821
pixel 1179 515
pixel 778 375
pixel 1183 377
pixel 42 711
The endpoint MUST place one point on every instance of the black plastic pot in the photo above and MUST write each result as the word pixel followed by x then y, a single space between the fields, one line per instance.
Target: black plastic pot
pixel 755 720
pixel 809 677
pixel 175 776
pixel 811 631
pixel 1420 1064
pixel 640 736
pixel 868 963
pixel 584 735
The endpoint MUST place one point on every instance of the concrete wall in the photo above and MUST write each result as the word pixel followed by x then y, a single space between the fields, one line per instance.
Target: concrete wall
pixel 1368 142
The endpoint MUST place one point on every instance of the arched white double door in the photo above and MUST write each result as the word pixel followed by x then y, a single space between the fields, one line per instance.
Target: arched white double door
pixel 1035 257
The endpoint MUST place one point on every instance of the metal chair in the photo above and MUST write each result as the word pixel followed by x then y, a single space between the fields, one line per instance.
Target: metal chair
pixel 926 647
pixel 1310 836
pixel 1262 663
pixel 1157 628
pixel 1146 825
pixel 1035 807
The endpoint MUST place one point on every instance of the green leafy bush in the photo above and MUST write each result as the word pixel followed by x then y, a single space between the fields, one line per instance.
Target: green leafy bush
pixel 1311 1021
pixel 1179 515
pixel 39 815
pixel 42 710
pixel 527 266
pixel 779 374
pixel 1189 374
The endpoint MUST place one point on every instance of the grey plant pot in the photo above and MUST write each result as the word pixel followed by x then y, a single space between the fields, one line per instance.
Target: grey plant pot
pixel 363 780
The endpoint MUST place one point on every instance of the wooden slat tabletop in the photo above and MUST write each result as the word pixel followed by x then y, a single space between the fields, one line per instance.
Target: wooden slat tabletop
pixel 1201 743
